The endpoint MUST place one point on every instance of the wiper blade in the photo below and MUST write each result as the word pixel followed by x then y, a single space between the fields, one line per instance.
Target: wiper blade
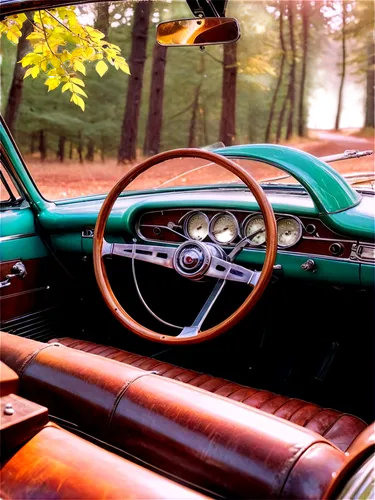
pixel 347 154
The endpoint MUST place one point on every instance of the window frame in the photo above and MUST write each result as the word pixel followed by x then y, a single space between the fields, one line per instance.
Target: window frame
pixel 15 193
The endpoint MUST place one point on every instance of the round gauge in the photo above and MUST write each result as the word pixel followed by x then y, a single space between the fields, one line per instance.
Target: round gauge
pixel 289 232
pixel 224 228
pixel 196 226
pixel 255 225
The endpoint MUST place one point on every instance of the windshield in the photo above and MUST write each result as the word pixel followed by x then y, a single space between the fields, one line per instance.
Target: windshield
pixel 87 92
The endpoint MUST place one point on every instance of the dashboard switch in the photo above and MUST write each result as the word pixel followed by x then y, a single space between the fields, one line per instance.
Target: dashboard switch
pixel 309 265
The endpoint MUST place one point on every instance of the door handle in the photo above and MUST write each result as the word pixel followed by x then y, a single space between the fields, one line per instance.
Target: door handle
pixel 18 270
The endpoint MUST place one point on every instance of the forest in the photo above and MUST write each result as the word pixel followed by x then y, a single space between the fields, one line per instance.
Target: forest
pixel 257 90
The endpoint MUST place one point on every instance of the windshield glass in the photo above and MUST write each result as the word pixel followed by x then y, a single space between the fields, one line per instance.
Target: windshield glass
pixel 87 92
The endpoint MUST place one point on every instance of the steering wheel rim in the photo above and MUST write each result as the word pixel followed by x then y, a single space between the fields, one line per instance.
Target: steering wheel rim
pixel 99 266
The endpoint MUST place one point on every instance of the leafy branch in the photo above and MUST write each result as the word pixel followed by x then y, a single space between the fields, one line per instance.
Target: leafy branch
pixel 61 47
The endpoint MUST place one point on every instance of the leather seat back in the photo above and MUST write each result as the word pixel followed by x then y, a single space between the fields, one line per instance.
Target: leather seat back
pixel 57 464
pixel 210 441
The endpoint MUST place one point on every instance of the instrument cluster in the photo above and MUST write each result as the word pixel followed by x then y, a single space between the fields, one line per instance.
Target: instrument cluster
pixel 223 228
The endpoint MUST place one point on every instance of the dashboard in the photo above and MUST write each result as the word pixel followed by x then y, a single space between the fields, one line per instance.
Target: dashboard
pixel 303 235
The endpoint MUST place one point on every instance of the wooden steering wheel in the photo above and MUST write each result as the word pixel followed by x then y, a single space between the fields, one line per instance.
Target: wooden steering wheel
pixel 191 259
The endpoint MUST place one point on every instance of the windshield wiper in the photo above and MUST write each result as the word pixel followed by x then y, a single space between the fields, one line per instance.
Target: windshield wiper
pixel 347 154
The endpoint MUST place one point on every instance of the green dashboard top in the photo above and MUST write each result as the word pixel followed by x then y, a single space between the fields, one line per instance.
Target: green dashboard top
pixel 326 194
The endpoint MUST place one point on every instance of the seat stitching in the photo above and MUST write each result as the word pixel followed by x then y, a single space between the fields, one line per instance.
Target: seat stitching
pixel 28 360
pixel 320 410
pixel 298 409
pixel 286 402
pixel 235 390
pixel 121 393
pixel 249 397
pixel 338 418
pixel 268 400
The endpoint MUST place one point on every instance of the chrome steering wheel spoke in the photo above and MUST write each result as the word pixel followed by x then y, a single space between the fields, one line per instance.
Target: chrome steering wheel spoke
pixel 225 270
pixel 193 330
pixel 159 255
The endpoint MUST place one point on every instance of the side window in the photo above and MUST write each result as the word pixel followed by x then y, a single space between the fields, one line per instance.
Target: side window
pixel 8 191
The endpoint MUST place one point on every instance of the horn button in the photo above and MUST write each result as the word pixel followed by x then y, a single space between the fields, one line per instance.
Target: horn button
pixel 192 259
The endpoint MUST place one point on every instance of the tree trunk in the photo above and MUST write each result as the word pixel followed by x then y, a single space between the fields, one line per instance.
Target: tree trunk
pixel 61 149
pixel 16 87
pixel 71 150
pixel 305 49
pixel 32 142
pixel 128 141
pixel 228 97
pixel 90 150
pixel 42 145
pixel 206 139
pixel 280 78
pixel 370 83
pixel 155 113
pixel 80 148
pixel 102 18
pixel 102 149
pixel 281 119
pixel 193 120
pixel 343 45
pixel 292 76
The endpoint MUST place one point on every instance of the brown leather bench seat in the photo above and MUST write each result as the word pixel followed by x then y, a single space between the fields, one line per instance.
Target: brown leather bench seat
pixel 212 442
pixel 339 428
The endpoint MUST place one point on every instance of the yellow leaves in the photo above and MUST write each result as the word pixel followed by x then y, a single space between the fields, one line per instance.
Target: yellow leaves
pixel 79 101
pixel 67 86
pixel 123 65
pixel 52 83
pixel 12 26
pixel 55 30
pixel 78 66
pixel 77 81
pixel 101 68
pixel 13 37
pixel 35 71
pixel 78 90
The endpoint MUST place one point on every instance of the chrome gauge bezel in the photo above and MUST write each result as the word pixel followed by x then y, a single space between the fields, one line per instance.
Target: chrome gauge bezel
pixel 289 217
pixel 212 222
pixel 191 214
pixel 246 221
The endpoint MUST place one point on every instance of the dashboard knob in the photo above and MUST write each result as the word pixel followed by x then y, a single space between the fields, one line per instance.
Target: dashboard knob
pixel 309 265
pixel 336 248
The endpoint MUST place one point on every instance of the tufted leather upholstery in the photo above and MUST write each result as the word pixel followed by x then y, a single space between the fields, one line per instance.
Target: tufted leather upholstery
pixel 339 428
pixel 213 442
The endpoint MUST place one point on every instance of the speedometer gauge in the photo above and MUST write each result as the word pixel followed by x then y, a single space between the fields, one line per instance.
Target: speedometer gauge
pixel 223 228
pixel 196 226
pixel 289 232
pixel 254 225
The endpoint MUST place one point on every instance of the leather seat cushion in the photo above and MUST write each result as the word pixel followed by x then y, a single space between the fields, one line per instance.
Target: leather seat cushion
pixel 339 428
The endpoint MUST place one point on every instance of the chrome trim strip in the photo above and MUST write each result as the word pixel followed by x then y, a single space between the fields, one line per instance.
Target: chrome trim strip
pixel 25 292
pixel 17 236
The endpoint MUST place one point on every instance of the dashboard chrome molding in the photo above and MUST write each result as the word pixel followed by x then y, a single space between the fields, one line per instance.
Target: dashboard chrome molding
pixel 356 252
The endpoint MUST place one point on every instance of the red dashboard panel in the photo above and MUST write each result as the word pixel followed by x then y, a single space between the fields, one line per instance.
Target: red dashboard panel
pixel 316 238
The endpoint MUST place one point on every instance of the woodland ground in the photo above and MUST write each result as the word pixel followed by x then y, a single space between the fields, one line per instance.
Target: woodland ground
pixel 70 179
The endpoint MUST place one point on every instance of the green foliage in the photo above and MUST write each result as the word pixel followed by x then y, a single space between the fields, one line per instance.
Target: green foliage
pixel 61 47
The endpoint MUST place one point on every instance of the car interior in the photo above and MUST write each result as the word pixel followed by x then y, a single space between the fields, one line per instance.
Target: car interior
pixel 198 342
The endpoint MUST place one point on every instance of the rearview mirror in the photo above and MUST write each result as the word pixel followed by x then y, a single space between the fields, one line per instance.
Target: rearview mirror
pixel 198 31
